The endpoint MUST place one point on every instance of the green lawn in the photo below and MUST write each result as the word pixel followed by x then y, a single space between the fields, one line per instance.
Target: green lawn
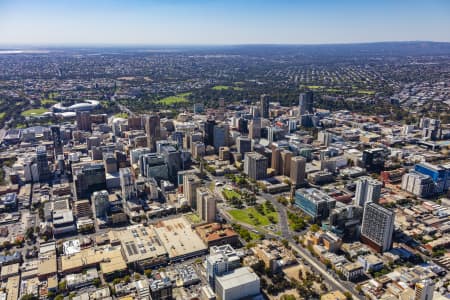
pixel 193 218
pixel 180 98
pixel 225 87
pixel 244 216
pixel 366 92
pixel 230 193
pixel 121 115
pixel 2 115
pixel 34 112
pixel 48 101
pixel 315 87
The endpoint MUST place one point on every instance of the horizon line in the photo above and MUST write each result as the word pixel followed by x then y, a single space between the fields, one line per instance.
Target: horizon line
pixel 97 45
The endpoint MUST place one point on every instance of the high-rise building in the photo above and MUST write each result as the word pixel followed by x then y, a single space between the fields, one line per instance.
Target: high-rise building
pixel 424 290
pixel 190 185
pixel 255 165
pixel 255 129
pixel 101 203
pixel 324 138
pixel 127 184
pixel 373 159
pixel 153 130
pixel 367 190
pixel 244 145
pixel 241 283
pixel 222 259
pixel 431 128
pixel 377 226
pixel 209 132
pixel 305 103
pixel 206 205
pixel 243 126
pixel 135 123
pixel 298 166
pixel 198 150
pixel 84 121
pixel 57 142
pixel 264 106
pixel 440 174
pixel 220 136
pixel 418 184
pixel 286 156
pixel 153 165
pixel 276 160
pixel 315 203
pixel 42 164
pixel 88 177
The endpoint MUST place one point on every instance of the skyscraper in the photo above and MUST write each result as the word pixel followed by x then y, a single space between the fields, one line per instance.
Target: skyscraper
pixel 255 166
pixel 254 131
pixel 424 290
pixel 209 132
pixel 377 226
pixel 101 203
pixel 127 184
pixel 42 164
pixel 367 190
pixel 220 136
pixel 57 143
pixel 153 130
pixel 84 121
pixel 244 145
pixel 264 106
pixel 305 103
pixel 206 205
pixel 190 185
pixel 298 165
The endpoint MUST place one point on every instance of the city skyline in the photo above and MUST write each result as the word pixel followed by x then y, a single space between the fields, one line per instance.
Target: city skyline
pixel 199 22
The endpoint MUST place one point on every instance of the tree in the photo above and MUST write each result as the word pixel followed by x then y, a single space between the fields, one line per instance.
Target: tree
pixel 348 295
pixel 148 273
pixel 314 228
pixel 62 286
pixel 29 297
pixel 96 282
pixel 137 276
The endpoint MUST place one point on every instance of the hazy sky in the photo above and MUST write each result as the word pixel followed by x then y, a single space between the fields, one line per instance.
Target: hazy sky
pixel 221 21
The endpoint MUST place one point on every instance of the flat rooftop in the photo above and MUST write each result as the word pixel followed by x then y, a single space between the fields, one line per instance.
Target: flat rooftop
pixel 178 237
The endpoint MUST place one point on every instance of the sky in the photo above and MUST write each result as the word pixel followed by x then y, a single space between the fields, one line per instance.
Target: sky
pixel 216 22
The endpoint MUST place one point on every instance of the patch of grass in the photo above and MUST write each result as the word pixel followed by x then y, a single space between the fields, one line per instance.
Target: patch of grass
pixel 225 87
pixel 228 194
pixel 253 217
pixel 366 92
pixel 193 218
pixel 2 115
pixel 48 101
pixel 315 87
pixel 123 115
pixel 180 98
pixel 34 112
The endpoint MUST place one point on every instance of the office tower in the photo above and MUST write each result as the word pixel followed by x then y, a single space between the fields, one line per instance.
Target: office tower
pixel 298 166
pixel 276 160
pixel 373 159
pixel 42 164
pixel 88 177
pixel 135 123
pixel 136 153
pixel 224 153
pixel 431 128
pixel 84 121
pixel 127 184
pixel 255 166
pixel 286 156
pixel 101 203
pixel 440 174
pixel 324 138
pixel 209 132
pixel 345 221
pixel 377 226
pixel 220 114
pixel 173 159
pixel 315 203
pixel 222 259
pixel 220 136
pixel 206 205
pixel 152 130
pixel 241 283
pixel 367 190
pixel 244 145
pixel 305 103
pixel 264 106
pixel 92 141
pixel 153 165
pixel 82 208
pixel 121 158
pixel 198 150
pixel 190 185
pixel 418 184
pixel 255 129
pixel 110 162
pixel 57 142
pixel 424 290
pixel 198 108
pixel 243 126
